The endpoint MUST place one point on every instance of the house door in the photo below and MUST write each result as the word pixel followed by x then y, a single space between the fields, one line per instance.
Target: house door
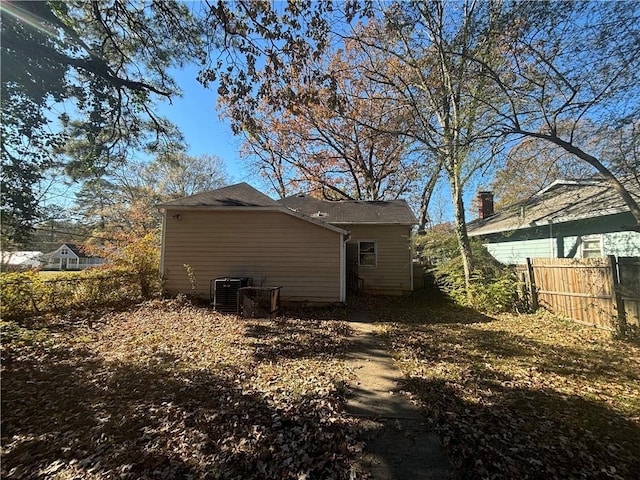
pixel 353 281
pixel 63 264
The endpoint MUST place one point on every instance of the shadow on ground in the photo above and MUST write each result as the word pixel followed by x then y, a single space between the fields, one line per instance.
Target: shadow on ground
pixel 287 338
pixel 66 411
pixel 529 434
pixel 506 400
pixel 425 306
pixel 402 449
pixel 509 403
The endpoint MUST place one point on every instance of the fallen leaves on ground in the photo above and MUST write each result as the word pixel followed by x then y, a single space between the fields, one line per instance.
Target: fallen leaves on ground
pixel 169 390
pixel 528 396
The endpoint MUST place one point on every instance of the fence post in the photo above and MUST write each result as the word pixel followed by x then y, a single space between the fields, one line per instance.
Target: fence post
pixel 618 303
pixel 532 285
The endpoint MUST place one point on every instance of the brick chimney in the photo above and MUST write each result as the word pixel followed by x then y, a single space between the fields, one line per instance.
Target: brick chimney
pixel 485 204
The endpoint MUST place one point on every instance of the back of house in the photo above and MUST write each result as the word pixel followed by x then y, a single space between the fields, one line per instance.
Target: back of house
pixel 239 233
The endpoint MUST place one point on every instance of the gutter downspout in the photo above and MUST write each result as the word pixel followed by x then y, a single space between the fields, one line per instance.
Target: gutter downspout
pixel 343 270
pixel 411 259
pixel 162 244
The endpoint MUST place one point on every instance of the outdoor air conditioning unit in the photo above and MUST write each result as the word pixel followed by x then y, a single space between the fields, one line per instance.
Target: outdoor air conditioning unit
pixel 224 293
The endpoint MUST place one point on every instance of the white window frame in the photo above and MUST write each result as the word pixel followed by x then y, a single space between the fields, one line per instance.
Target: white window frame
pixel 591 238
pixel 375 254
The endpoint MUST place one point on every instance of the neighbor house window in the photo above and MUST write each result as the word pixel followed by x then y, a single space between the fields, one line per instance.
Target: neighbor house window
pixel 591 246
pixel 64 251
pixel 367 254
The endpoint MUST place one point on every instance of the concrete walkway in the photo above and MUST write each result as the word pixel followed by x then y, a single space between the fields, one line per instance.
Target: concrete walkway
pixel 399 445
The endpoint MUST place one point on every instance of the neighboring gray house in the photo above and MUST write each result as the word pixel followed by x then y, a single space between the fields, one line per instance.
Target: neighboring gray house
pixel 313 249
pixel 567 219
pixel 69 257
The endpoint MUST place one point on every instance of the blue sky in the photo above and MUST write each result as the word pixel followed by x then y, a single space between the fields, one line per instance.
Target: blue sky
pixel 205 133
pixel 196 115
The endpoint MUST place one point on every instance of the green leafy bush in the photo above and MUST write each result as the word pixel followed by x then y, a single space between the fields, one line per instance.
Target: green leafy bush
pixel 28 293
pixel 493 288
pixel 17 293
pixel 138 255
pixel 437 245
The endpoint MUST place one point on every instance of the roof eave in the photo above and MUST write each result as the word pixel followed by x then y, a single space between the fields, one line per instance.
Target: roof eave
pixel 280 209
pixel 165 207
pixel 546 221
pixel 374 223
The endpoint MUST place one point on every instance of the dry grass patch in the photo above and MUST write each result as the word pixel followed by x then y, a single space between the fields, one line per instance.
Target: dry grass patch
pixel 527 396
pixel 169 390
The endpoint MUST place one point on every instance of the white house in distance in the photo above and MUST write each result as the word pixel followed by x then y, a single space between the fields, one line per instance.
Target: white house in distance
pixel 69 257
pixel 23 260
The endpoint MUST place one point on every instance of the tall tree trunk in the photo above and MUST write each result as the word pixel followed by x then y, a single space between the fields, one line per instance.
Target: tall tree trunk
pixel 460 228
pixel 424 202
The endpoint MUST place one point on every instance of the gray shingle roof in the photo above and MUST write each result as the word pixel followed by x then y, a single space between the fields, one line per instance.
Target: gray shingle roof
pixel 322 211
pixel 75 249
pixel 352 211
pixel 71 246
pixel 238 195
pixel 563 201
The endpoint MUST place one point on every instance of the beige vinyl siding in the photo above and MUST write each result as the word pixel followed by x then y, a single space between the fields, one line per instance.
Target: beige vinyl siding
pixel 272 248
pixel 392 273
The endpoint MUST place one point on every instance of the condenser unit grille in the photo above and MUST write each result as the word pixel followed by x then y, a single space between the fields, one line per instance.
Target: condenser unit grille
pixel 224 293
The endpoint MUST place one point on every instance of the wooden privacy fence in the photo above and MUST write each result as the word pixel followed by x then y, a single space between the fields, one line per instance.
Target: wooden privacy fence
pixel 604 292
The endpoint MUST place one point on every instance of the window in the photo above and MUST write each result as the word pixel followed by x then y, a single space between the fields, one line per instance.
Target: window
pixel 367 254
pixel 64 251
pixel 591 246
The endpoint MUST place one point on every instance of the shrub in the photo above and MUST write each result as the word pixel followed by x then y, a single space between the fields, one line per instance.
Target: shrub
pixel 493 287
pixel 438 245
pixel 494 295
pixel 17 293
pixel 27 293
pixel 138 254
pixel 142 256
